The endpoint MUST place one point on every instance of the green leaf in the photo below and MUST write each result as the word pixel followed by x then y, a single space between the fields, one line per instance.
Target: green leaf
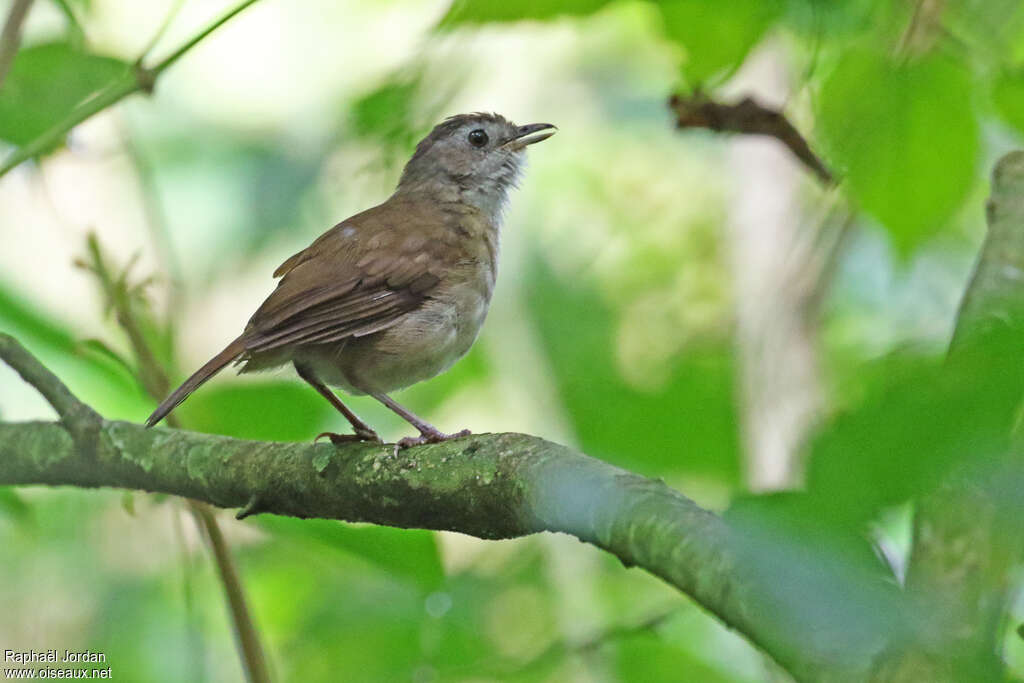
pixel 988 28
pixel 716 35
pixel 688 425
pixel 94 377
pixel 12 505
pixel 46 83
pixel 1008 96
pixel 923 421
pixel 647 657
pixel 23 320
pixel 264 411
pixel 469 12
pixel 128 502
pixel 385 114
pixel 101 348
pixel 905 137
pixel 812 570
pixel 411 554
pixel 819 20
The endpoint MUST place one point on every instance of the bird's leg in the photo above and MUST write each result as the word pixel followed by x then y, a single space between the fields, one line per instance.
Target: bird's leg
pixel 428 432
pixel 363 431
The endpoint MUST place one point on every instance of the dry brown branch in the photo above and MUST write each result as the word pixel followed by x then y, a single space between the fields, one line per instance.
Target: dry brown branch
pixel 748 117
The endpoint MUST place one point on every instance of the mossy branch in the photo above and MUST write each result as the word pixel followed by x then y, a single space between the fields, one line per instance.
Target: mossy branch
pixel 492 486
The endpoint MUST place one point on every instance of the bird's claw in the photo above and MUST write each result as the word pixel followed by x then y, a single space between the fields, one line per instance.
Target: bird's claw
pixel 359 436
pixel 430 437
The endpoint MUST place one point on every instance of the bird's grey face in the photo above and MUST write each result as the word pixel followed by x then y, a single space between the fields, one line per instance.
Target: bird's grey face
pixel 481 153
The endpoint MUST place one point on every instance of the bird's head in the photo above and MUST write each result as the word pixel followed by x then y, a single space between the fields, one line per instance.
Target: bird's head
pixel 479 154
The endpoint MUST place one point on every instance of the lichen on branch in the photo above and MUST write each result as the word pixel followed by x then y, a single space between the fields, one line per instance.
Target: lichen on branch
pixel 492 486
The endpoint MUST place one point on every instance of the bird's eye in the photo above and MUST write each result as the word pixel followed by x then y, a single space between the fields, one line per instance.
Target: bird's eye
pixel 477 138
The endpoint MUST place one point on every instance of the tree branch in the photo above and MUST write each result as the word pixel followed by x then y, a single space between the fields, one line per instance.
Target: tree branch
pixel 966 542
pixel 995 294
pixel 249 643
pixel 140 78
pixel 67 405
pixel 80 421
pixel 491 486
pixel 747 116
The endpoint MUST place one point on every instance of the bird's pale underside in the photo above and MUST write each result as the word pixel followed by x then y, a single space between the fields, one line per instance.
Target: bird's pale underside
pixel 396 294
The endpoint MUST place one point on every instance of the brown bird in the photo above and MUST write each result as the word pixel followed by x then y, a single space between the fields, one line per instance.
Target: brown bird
pixel 396 294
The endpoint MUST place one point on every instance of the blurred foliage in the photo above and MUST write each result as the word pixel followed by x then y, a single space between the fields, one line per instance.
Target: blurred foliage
pixel 913 429
pixel 716 36
pixel 885 139
pixel 820 572
pixel 407 553
pixel 646 657
pixel 687 425
pixel 89 370
pixel 46 82
pixel 266 411
pixel 270 179
pixel 1008 95
pixel 902 128
pixel 470 12
pixel 905 104
pixel 922 422
pixel 12 505
pixel 386 115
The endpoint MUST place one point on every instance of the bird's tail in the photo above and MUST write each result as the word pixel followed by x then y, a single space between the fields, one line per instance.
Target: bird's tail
pixel 212 367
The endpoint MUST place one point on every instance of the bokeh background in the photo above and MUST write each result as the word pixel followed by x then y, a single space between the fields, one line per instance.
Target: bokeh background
pixel 687 305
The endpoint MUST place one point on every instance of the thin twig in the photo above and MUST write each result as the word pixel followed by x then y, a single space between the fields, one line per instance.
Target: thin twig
pixel 78 419
pixel 76 34
pixel 749 117
pixel 151 374
pixel 245 631
pixel 155 381
pixel 181 51
pixel 138 79
pixel 67 405
pixel 164 25
pixel 10 38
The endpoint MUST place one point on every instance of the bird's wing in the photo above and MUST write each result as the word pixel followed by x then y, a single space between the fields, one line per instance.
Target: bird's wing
pixel 360 277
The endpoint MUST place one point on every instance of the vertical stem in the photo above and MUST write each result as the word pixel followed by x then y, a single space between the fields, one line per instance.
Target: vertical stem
pixel 156 383
pixel 10 38
pixel 255 661
pixel 966 541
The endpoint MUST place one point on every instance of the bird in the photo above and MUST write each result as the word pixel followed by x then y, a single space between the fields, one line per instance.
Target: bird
pixel 397 293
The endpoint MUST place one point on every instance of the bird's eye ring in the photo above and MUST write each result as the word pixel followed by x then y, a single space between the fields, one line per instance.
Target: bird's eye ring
pixel 477 137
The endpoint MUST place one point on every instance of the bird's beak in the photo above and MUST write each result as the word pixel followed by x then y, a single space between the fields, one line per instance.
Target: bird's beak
pixel 529 134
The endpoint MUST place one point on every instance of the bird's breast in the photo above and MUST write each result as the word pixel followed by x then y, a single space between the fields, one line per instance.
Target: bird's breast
pixel 425 342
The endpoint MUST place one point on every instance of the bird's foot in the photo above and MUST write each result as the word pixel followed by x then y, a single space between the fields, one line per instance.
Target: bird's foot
pixel 358 436
pixel 434 436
